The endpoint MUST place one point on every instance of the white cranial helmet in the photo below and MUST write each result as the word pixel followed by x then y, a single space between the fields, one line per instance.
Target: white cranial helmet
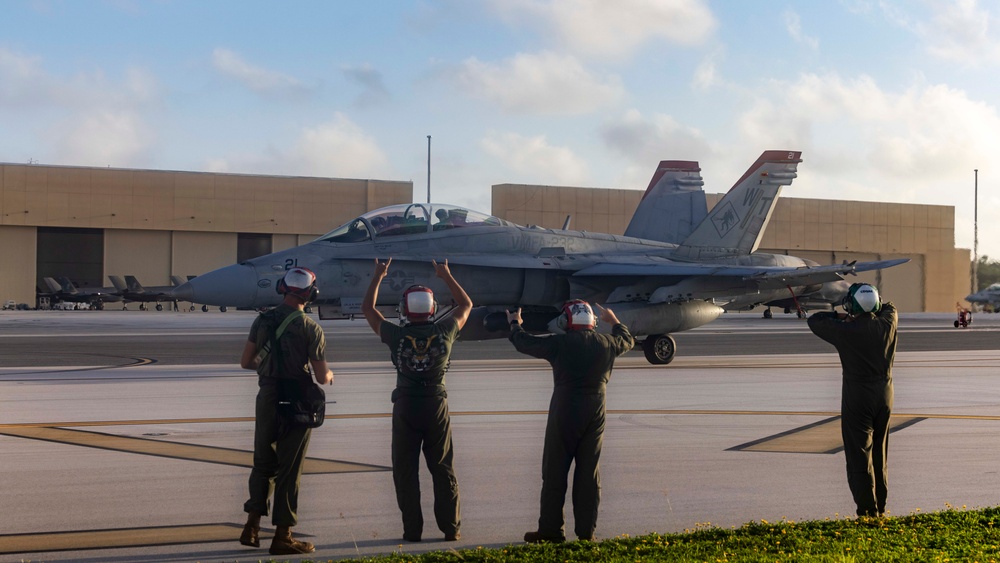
pixel 862 298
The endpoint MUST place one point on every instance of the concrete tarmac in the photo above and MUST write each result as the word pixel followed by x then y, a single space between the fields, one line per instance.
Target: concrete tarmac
pixel 131 458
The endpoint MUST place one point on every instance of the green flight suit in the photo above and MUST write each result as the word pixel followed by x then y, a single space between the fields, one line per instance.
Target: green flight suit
pixel 421 353
pixel 279 447
pixel 581 361
pixel 867 347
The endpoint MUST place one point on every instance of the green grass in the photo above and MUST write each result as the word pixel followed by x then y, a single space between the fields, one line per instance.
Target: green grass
pixel 949 535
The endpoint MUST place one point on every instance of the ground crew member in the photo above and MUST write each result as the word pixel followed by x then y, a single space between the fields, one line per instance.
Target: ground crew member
pixel 581 360
pixel 865 338
pixel 280 447
pixel 420 348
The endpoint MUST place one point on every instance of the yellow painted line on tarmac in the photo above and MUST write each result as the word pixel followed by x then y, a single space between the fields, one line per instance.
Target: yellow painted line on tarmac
pixel 161 448
pixel 821 437
pixel 125 537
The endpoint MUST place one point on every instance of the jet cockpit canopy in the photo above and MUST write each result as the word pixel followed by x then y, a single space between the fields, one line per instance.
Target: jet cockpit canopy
pixel 408 219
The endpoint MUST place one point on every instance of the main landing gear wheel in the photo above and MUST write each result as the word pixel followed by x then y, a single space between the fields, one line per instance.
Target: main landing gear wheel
pixel 659 348
pixel 204 308
pixel 767 313
pixel 159 307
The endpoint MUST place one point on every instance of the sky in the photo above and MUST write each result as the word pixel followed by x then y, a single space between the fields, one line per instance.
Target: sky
pixel 889 100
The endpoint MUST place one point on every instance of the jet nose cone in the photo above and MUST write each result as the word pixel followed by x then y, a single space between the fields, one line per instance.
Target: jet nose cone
pixel 232 286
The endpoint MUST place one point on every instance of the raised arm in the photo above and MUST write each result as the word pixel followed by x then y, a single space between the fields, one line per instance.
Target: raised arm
pixel 372 315
pixel 464 307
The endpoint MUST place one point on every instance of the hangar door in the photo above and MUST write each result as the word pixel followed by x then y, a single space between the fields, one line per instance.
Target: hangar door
pixel 75 253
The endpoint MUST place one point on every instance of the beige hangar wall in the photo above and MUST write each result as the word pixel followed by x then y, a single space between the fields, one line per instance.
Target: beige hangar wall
pixel 18 254
pixel 160 223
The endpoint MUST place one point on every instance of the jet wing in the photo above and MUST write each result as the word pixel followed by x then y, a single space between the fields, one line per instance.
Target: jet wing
pixel 542 262
pixel 765 276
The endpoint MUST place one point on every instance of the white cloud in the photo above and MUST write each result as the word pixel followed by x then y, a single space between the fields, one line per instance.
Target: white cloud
pixel 534 160
pixel 954 30
pixel 257 79
pixel 21 79
pixel 339 148
pixel 103 138
pixel 706 75
pixel 860 142
pixel 546 83
pixel 612 29
pixel 959 31
pixel 83 119
pixel 793 23
pixel 644 141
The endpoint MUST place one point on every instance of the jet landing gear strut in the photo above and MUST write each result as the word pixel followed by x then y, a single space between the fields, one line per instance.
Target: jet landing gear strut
pixel 659 348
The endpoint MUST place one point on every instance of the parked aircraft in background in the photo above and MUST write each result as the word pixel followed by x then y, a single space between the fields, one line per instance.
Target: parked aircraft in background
pixel 64 290
pixel 988 296
pixel 686 266
pixel 131 290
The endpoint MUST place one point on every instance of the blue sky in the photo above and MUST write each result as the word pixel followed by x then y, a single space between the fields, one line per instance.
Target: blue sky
pixel 889 100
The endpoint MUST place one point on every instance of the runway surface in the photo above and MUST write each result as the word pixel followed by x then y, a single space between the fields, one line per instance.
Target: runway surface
pixel 125 436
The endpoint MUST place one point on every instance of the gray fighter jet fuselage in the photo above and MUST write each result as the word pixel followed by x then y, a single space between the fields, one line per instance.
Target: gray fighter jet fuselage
pixel 655 287
pixel 987 296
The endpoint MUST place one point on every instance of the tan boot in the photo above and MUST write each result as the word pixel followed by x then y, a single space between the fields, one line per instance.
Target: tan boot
pixel 284 544
pixel 251 530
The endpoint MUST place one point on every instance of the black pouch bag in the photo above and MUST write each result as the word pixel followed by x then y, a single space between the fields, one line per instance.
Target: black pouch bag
pixel 301 403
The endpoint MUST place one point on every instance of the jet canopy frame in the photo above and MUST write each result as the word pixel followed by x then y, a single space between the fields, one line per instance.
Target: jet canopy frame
pixel 409 219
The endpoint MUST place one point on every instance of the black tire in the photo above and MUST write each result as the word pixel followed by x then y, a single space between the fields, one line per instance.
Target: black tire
pixel 159 307
pixel 223 309
pixel 956 324
pixel 204 308
pixel 768 314
pixel 659 349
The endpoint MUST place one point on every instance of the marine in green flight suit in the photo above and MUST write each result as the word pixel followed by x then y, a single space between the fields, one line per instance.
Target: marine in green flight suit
pixel 865 338
pixel 582 360
pixel 420 348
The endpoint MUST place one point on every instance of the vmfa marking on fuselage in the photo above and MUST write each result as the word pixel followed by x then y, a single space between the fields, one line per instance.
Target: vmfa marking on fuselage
pixel 674 269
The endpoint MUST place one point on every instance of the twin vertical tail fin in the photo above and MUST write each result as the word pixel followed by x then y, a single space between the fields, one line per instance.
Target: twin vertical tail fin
pixel 52 284
pixel 133 284
pixel 118 283
pixel 66 285
pixel 736 224
pixel 674 203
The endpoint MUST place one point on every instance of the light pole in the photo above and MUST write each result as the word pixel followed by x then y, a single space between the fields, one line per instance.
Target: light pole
pixel 428 168
pixel 975 236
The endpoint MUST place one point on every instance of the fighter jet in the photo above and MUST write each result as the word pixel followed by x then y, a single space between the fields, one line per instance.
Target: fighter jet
pixel 131 290
pixel 672 271
pixel 830 295
pixel 989 296
pixel 65 290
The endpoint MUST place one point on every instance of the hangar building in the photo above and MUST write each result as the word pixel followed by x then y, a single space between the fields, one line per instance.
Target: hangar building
pixel 87 223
